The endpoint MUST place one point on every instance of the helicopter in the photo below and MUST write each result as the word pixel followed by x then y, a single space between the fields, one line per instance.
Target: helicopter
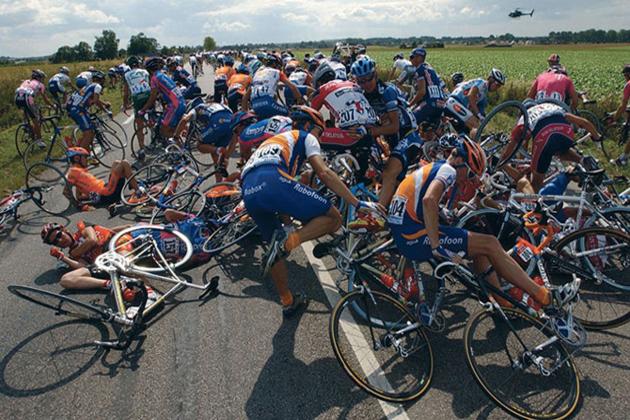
pixel 518 13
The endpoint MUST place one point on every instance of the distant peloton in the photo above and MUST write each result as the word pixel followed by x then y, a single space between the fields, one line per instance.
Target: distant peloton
pixel 518 13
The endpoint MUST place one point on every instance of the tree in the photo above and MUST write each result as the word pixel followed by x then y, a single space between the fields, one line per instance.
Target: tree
pixel 122 53
pixel 106 46
pixel 140 44
pixel 64 54
pixel 209 44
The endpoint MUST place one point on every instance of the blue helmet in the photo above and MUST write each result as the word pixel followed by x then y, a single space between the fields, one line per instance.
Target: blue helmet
pixel 81 82
pixel 364 66
pixel 242 117
pixel 228 60
pixel 254 66
pixel 242 68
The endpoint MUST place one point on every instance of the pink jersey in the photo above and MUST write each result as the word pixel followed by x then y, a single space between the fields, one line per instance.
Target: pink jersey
pixel 550 85
pixel 31 87
pixel 626 91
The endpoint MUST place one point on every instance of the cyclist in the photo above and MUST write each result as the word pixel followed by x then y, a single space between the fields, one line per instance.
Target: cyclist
pixel 400 65
pixel 26 100
pixel 622 160
pixel 164 86
pixel 112 75
pixel 430 96
pixel 79 104
pixel 467 103
pixel 86 77
pixel 183 78
pixel 57 85
pixel 414 222
pixel 300 78
pixel 457 78
pixel 553 60
pixel 269 190
pixel 137 91
pixel 92 190
pixel 264 90
pixel 222 76
pixel 192 60
pixel 252 132
pixel 237 85
pixel 213 121
pixel 550 127
pixel 554 83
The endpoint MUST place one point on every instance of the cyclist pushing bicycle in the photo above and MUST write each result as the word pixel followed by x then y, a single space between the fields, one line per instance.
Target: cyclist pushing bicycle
pixel 414 221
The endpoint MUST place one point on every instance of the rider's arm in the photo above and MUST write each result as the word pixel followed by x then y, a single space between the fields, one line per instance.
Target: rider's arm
pixel 431 211
pixel 585 124
pixel 331 180
pixel 296 92
pixel 125 96
pixel 531 94
pixel 391 126
pixel 421 88
pixel 472 100
pixel 102 105
pixel 88 244
pixel 182 123
pixel 245 100
pixel 573 95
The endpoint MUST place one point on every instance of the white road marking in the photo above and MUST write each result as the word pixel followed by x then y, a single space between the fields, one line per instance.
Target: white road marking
pixel 366 359
pixel 128 120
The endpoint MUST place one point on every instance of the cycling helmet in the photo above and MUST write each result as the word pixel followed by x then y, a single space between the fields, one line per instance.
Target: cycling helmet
pixel 457 78
pixel 170 62
pixel 73 152
pixel 418 52
pixel 48 230
pixel 364 66
pixel 318 55
pixel 97 74
pixel 242 117
pixel 242 68
pixel 289 68
pixel 398 56
pixel 255 66
pixel 312 65
pixel 228 60
pixel 248 58
pixel 273 60
pixel 80 82
pixel 558 69
pixel 38 74
pixel 448 142
pixel 498 75
pixel 133 61
pixel 323 74
pixel 473 155
pixel 153 63
pixel 179 60
pixel 64 70
pixel 303 113
pixel 361 49
pixel 553 59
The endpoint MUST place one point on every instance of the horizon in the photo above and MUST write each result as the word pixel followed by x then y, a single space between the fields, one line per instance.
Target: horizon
pixel 45 25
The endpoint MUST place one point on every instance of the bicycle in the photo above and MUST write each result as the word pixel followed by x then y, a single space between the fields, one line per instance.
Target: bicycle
pixel 124 268
pixel 24 135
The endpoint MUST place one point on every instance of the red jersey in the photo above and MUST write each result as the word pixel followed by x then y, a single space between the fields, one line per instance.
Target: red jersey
pixel 550 85
pixel 626 91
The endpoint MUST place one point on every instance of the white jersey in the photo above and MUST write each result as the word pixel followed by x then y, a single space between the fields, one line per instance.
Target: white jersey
pixel 539 112
pixel 192 60
pixel 61 80
pixel 138 81
pixel 87 75
pixel 346 103
pixel 401 64
pixel 340 70
pixel 265 82
pixel 298 78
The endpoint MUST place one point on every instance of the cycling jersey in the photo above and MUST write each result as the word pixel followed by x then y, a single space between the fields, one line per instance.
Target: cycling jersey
pixel 550 85
pixel 197 231
pixel 346 103
pixel 460 93
pixel 181 76
pixel 122 69
pixel 83 99
pixel 386 98
pixel 407 152
pixel 175 104
pixel 239 83
pixel 89 185
pixel 286 152
pixel 406 214
pixel 256 133
pixel 401 64
pixel 214 121
pixel 340 70
pixel 263 92
pixel 433 93
pixel 58 83
pixel 87 75
pixel 103 236
pixel 538 113
pixel 223 74
pixel 192 60
pixel 139 86
pixel 626 91
pixel 300 78
pixel 30 89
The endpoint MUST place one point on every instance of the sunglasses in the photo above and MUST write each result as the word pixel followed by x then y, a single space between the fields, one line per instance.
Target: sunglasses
pixel 53 237
pixel 364 80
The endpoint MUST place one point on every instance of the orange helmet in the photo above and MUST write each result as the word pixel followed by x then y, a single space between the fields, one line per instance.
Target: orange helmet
pixel 303 113
pixel 473 155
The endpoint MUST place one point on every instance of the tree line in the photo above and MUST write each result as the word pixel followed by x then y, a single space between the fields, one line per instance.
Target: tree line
pixel 106 47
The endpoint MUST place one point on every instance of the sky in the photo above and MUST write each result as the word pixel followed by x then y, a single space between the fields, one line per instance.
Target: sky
pixel 39 27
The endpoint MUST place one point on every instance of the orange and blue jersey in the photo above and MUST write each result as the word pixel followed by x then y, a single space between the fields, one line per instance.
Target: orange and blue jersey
pixel 167 88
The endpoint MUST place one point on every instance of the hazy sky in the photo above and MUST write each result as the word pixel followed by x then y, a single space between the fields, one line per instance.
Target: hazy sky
pixel 38 27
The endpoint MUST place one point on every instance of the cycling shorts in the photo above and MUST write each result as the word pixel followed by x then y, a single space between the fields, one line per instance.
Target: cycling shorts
pixel 457 110
pixel 28 105
pixel 551 139
pixel 190 91
pixel 81 118
pixel 268 192
pixel 173 114
pixel 54 88
pixel 219 136
pixel 139 100
pixel 428 113
pixel 265 107
pixel 112 190
pixel 412 240
pixel 407 151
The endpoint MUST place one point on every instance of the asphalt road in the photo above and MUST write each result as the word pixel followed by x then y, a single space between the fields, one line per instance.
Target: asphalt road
pixel 232 356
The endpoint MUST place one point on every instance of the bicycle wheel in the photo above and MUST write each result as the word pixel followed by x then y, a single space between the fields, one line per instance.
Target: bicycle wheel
pixel 386 364
pixel 153 178
pixel 54 153
pixel 601 259
pixel 221 198
pixel 107 148
pixel 135 143
pixel 238 226
pixel 490 221
pixel 518 367
pixel 191 202
pixel 61 304
pixel 193 140
pixel 23 138
pixel 617 218
pixel 494 131
pixel 111 126
pixel 152 248
pixel 49 188
pixel 592 118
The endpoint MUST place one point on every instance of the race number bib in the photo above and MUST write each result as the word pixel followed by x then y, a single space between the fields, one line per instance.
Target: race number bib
pixel 397 210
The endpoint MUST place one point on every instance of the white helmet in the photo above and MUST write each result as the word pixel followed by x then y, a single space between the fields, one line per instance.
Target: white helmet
pixel 498 75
